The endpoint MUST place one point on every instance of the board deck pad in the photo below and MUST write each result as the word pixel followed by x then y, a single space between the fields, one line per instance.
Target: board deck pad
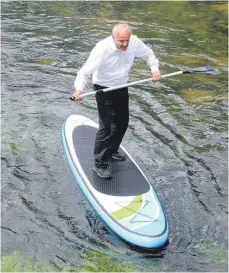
pixel 126 179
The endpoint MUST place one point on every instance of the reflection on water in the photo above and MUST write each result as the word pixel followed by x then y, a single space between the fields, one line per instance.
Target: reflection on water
pixel 177 133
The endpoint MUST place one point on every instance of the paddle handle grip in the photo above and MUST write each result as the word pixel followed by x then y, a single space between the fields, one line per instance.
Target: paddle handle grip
pixel 89 93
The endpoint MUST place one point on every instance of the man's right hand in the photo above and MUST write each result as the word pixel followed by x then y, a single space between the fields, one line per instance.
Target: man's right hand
pixel 78 95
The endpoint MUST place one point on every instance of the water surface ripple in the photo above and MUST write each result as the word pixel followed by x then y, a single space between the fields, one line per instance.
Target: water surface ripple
pixel 177 132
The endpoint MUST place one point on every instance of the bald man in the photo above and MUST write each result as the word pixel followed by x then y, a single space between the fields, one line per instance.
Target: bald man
pixel 109 64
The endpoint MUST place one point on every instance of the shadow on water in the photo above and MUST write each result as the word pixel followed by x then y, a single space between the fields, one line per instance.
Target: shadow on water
pixel 150 252
pixel 178 134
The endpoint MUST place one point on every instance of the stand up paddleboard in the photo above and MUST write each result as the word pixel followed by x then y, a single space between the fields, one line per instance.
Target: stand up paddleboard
pixel 127 202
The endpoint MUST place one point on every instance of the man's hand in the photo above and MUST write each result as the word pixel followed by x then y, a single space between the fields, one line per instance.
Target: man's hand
pixel 78 95
pixel 156 76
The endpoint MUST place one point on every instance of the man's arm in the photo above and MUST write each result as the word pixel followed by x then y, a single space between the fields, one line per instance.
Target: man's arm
pixel 147 54
pixel 93 62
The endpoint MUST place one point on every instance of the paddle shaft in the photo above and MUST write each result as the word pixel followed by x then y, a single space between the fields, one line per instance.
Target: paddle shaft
pixel 129 84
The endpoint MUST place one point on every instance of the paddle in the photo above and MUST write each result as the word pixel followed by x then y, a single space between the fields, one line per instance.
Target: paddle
pixel 199 70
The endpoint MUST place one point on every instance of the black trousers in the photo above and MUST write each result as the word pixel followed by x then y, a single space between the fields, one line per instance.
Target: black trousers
pixel 113 111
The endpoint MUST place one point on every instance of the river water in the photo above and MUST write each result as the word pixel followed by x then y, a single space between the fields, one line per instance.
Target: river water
pixel 178 134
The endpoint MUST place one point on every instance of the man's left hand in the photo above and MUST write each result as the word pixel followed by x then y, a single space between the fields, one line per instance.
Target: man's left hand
pixel 156 76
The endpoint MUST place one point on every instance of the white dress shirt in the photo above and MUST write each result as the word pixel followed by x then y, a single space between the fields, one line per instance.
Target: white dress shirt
pixel 109 66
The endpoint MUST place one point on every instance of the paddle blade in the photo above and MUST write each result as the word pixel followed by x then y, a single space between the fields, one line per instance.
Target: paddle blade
pixel 203 70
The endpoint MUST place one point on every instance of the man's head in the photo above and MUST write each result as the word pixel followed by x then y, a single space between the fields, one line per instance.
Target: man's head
pixel 121 34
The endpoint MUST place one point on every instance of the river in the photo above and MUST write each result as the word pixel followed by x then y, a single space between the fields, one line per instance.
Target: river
pixel 178 134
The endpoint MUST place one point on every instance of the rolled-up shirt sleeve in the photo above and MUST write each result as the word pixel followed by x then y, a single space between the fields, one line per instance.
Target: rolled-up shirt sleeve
pixel 93 62
pixel 147 54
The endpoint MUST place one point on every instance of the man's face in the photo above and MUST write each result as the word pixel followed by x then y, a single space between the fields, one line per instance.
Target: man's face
pixel 122 39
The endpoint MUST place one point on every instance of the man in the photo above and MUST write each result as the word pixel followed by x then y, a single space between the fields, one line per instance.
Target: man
pixel 109 64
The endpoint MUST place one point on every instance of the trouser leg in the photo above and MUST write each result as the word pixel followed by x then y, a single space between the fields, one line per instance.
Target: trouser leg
pixel 120 119
pixel 102 152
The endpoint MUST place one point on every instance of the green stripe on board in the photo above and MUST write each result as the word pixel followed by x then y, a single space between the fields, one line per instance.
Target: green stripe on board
pixel 131 209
